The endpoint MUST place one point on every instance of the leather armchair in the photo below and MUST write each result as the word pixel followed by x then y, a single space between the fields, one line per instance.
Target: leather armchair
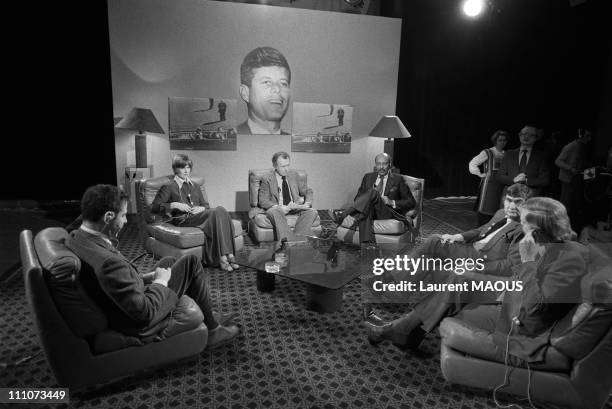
pixel 390 230
pixel 576 369
pixel 164 239
pixel 260 226
pixel 73 331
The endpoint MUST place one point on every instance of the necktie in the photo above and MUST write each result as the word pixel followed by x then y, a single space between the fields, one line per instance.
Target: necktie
pixel 523 161
pixel 286 194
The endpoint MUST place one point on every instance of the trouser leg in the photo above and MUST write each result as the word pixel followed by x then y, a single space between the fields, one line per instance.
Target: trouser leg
pixel 279 223
pixel 189 278
pixel 303 225
pixel 219 232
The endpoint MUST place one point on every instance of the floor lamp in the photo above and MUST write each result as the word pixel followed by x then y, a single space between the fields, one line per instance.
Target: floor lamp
pixel 141 120
pixel 390 127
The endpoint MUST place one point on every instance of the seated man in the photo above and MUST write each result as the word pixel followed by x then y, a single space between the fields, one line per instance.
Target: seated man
pixel 281 193
pixel 182 199
pixel 490 242
pixel 131 306
pixel 549 269
pixel 382 195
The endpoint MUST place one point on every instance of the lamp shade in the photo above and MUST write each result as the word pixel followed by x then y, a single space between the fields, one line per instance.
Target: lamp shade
pixel 390 127
pixel 141 120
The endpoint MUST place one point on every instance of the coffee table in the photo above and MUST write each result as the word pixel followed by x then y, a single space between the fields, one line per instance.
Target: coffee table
pixel 326 266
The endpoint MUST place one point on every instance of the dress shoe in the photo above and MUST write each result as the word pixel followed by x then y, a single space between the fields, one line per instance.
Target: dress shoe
pixel 222 335
pixel 337 216
pixel 413 340
pixel 377 333
pixel 222 318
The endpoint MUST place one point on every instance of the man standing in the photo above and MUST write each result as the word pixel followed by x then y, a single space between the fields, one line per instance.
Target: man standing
pixel 525 164
pixel 131 305
pixel 382 195
pixel 265 86
pixel 571 163
pixel 281 193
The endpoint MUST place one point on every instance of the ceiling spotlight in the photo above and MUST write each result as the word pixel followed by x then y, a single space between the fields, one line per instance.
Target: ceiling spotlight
pixel 473 8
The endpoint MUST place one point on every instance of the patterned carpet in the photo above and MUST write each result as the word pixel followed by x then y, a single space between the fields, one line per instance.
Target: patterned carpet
pixel 286 356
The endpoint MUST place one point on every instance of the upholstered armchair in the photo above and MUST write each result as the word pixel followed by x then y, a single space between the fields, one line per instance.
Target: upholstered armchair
pixel 390 230
pixel 73 331
pixel 260 227
pixel 164 239
pixel 576 369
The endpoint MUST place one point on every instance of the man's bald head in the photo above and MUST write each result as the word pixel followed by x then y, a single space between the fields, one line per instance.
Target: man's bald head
pixel 383 163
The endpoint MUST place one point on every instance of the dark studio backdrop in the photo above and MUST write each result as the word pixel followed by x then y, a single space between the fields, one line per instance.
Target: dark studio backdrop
pixel 544 62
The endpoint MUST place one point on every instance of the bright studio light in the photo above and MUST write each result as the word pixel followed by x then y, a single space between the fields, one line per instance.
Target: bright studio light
pixel 472 8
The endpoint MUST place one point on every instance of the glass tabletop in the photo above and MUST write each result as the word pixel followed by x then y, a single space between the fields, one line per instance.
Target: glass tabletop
pixel 322 262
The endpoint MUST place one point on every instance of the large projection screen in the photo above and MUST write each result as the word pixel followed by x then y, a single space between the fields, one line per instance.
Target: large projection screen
pixel 193 49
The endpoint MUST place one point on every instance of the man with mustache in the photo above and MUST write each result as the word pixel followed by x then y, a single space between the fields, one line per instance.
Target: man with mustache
pixel 265 86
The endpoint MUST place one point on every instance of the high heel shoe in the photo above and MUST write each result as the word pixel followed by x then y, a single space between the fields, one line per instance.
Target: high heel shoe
pixel 232 261
pixel 225 265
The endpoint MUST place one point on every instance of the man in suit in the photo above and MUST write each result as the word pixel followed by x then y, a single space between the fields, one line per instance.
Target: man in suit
pixel 182 200
pixel 525 164
pixel 134 303
pixel 495 242
pixel 265 87
pixel 282 193
pixel 571 163
pixel 382 195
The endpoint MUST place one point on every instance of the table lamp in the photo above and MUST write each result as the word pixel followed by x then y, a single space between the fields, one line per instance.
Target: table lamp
pixel 141 120
pixel 390 127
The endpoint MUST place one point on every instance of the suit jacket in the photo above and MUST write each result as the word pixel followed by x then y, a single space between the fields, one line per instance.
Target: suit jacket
pixel 116 286
pixel 268 189
pixel 170 192
pixel 395 189
pixel 551 288
pixel 538 174
pixel 500 250
pixel 245 129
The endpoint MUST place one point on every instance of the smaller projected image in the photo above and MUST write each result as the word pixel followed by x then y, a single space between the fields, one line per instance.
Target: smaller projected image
pixel 322 128
pixel 202 124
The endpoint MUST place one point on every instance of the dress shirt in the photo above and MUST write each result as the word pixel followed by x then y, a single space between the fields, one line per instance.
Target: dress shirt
pixel 479 244
pixel 279 182
pixel 180 182
pixel 384 185
pixel 528 153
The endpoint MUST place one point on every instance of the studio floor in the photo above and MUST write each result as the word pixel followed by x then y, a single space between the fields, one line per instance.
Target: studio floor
pixel 285 357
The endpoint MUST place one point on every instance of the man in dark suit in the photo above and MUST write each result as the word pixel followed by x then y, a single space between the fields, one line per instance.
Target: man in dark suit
pixel 382 195
pixel 133 306
pixel 282 193
pixel 525 164
pixel 265 87
pixel 490 241
pixel 549 268
pixel 182 200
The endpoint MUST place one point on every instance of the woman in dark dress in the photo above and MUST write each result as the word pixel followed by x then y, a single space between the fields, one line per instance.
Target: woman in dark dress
pixel 489 190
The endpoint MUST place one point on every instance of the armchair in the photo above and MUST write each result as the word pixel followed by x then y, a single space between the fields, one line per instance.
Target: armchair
pixel 575 372
pixel 164 239
pixel 260 226
pixel 73 331
pixel 390 230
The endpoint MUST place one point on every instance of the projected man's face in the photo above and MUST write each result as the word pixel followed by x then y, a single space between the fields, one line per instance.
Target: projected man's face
pixel 268 96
